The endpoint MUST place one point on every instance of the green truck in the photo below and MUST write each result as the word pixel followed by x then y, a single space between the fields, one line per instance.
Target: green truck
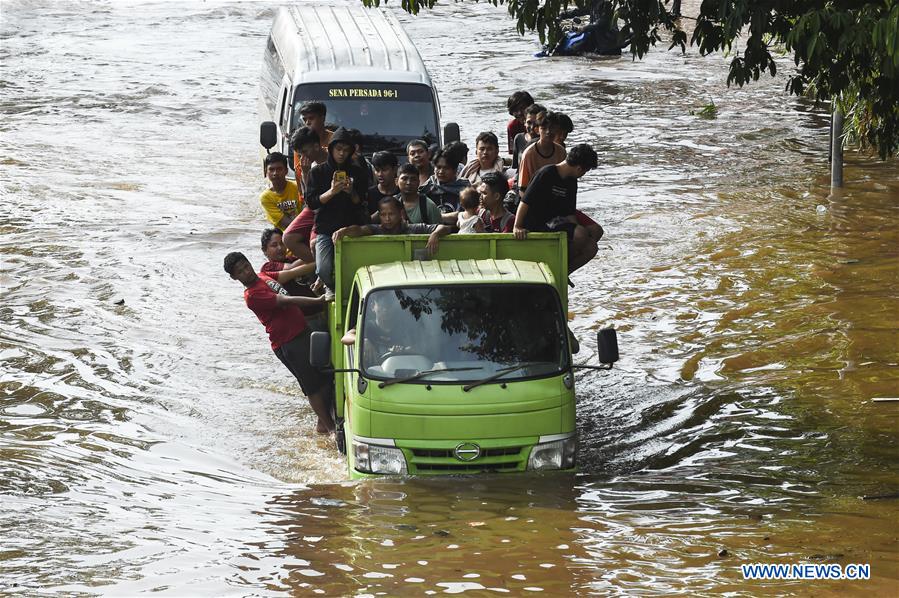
pixel 457 364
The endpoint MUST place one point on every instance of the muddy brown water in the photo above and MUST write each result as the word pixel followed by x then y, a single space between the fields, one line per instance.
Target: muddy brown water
pixel 149 441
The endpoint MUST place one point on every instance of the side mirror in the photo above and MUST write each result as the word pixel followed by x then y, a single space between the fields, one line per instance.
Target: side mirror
pixel 451 133
pixel 320 350
pixel 607 345
pixel 268 135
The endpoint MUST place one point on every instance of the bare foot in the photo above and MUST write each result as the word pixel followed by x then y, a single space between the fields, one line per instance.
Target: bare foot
pixel 321 428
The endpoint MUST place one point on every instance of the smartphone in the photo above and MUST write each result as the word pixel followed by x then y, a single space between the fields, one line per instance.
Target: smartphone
pixel 340 176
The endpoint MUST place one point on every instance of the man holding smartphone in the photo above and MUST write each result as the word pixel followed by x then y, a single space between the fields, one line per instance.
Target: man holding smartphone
pixel 337 190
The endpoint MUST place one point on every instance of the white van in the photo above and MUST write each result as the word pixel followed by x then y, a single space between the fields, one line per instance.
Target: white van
pixel 360 63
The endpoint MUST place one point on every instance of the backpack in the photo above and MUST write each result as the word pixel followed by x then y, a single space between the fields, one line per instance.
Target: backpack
pixel 423 209
pixel 488 227
pixel 505 220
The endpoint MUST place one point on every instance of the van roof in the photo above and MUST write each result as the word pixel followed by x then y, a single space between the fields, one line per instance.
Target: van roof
pixel 337 41
pixel 443 272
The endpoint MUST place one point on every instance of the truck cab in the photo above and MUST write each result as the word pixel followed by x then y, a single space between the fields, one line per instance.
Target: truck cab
pixel 457 364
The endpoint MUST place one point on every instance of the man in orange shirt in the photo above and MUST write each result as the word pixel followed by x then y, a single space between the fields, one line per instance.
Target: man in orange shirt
pixel 313 115
pixel 307 152
pixel 542 153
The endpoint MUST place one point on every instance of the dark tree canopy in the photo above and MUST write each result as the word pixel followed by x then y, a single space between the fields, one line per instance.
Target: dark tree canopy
pixel 845 50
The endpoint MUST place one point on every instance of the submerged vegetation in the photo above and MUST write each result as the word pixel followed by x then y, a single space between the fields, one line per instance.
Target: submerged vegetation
pixel 709 110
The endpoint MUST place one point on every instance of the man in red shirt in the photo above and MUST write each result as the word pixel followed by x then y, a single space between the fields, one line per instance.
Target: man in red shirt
pixel 493 214
pixel 294 275
pixel 517 103
pixel 287 330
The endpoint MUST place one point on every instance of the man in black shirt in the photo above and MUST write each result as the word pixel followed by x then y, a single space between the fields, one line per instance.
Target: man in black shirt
pixel 444 186
pixel 550 201
pixel 337 189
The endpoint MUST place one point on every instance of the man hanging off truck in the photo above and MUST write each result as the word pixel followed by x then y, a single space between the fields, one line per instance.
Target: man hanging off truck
pixel 550 202
pixel 287 329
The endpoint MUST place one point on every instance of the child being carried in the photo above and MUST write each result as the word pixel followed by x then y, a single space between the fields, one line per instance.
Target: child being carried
pixel 468 221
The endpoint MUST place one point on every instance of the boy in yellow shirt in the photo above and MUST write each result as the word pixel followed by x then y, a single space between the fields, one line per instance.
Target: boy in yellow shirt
pixel 281 201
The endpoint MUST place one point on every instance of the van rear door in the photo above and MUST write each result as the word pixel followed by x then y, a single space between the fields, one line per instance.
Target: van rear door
pixel 389 115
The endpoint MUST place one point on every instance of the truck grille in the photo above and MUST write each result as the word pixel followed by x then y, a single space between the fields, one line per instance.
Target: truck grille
pixel 443 461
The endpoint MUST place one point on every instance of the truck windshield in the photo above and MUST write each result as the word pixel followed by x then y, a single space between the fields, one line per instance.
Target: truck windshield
pixel 389 115
pixel 463 333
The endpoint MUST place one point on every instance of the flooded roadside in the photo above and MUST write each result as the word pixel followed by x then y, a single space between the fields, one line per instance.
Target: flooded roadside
pixel 155 445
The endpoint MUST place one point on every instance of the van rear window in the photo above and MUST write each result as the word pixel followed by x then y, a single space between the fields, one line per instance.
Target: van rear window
pixel 389 115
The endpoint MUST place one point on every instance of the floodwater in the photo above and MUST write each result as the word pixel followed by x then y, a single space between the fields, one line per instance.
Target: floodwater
pixel 150 441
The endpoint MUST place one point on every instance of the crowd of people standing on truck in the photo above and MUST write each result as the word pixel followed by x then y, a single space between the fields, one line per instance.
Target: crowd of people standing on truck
pixel 337 187
pixel 339 193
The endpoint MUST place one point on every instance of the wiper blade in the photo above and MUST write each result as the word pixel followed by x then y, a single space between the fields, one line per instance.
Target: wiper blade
pixel 499 374
pixel 424 373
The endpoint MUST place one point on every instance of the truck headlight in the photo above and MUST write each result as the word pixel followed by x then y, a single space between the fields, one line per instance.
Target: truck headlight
pixel 372 458
pixel 556 454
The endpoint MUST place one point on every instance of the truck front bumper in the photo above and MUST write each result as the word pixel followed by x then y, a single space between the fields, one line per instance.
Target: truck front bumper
pixel 496 455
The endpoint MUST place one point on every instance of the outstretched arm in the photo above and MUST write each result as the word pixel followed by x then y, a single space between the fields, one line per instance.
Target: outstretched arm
pixel 295 270
pixel 353 230
pixel 299 301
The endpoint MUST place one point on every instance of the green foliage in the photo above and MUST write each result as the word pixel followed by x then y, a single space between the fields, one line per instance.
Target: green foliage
pixel 708 111
pixel 851 55
pixel 844 50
